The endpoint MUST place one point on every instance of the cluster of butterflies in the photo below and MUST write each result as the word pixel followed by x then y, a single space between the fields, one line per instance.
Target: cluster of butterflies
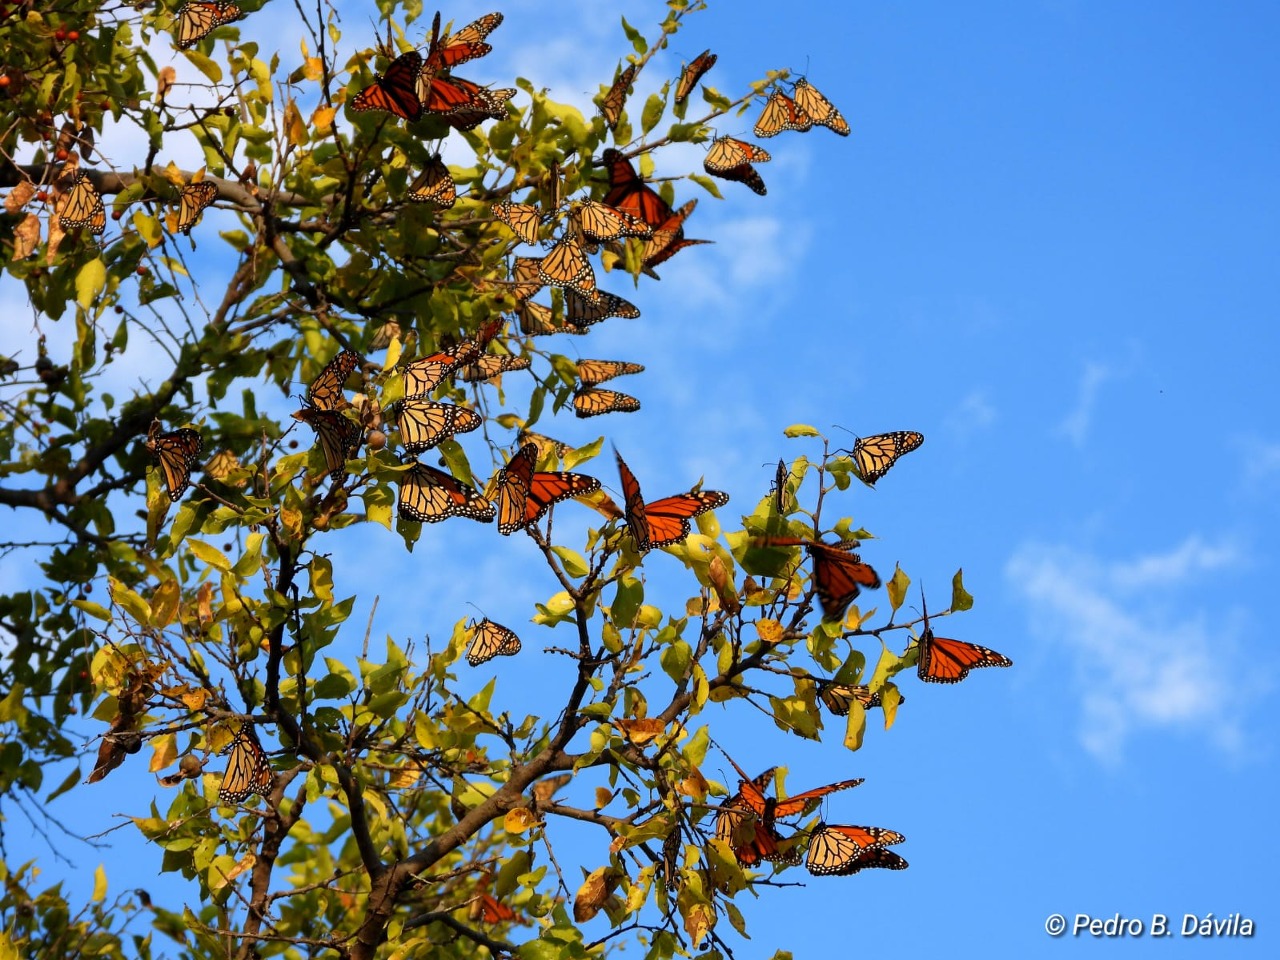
pixel 747 823
pixel 840 574
pixel 82 206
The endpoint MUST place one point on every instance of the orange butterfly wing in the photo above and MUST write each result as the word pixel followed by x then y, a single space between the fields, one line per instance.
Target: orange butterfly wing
pixel 670 517
pixel 949 661
pixel 637 521
pixel 396 91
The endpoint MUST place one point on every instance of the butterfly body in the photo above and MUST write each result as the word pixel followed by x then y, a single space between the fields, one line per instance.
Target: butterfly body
pixel 525 494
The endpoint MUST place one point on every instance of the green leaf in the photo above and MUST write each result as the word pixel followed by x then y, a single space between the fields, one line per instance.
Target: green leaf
pixel 90 281
pixel 897 587
pixel 636 38
pixel 210 555
pixel 654 107
pixel 960 598
pixel 574 563
pixel 800 430
pixel 95 610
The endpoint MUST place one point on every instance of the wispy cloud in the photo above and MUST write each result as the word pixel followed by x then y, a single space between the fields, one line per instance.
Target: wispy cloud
pixel 974 413
pixel 1143 660
pixel 1261 460
pixel 1075 426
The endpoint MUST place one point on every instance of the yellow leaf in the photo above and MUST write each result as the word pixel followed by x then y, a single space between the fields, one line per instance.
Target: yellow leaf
pixel 694 785
pixel 603 796
pixel 313 68
pixel 519 820
pixel 164 751
pixel 295 127
pixel 770 631
pixel 640 731
pixel 164 604
pixel 99 884
pixel 591 895
pixel 322 119
pixel 698 921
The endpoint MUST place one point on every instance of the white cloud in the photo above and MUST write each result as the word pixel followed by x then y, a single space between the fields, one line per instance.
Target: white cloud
pixel 1261 460
pixel 1075 426
pixel 972 414
pixel 1143 660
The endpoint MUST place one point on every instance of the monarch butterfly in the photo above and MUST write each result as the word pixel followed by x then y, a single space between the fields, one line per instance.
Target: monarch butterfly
pixel 838 572
pixel 692 73
pixel 544 443
pixel 567 266
pixel 396 91
pixel 489 105
pixel 424 423
pixel 489 365
pixel 591 372
pixel 467 44
pixel 434 185
pixel 668 239
pixel 874 455
pixel 489 640
pixel 594 402
pixel 192 199
pixel 780 479
pixel 176 452
pixel 493 910
pixel 526 275
pixel 524 494
pixel 339 437
pixel 325 392
pixel 818 108
pixel 426 373
pixel 839 697
pixel 661 523
pixel 82 206
pixel 600 221
pixel 750 839
pixel 613 102
pixel 522 218
pixel 581 312
pixel 630 194
pixel 781 113
pixel 731 159
pixel 199 19
pixel 836 850
pixel 537 319
pixel 949 661
pixel 769 808
pixel 428 495
pixel 248 770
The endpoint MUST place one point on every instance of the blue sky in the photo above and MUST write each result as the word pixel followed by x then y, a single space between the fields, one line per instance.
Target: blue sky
pixel 1050 245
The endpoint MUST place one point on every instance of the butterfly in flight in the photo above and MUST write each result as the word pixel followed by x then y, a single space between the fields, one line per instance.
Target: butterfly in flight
pixel 525 494
pixel 177 452
pixel 192 199
pixel 838 850
pixel 668 239
pixel 818 108
pixel 248 770
pixel 200 18
pixel 489 640
pixel 838 573
pixel 82 206
pixel 467 44
pixel 428 495
pixel 781 113
pixel 692 73
pixel 396 91
pixel 874 455
pixel 731 159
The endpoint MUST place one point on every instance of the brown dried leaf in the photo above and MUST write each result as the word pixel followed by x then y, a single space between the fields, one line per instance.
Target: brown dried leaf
pixel 26 235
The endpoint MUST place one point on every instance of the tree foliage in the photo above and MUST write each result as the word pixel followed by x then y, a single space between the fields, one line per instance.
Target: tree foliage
pixel 390 811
